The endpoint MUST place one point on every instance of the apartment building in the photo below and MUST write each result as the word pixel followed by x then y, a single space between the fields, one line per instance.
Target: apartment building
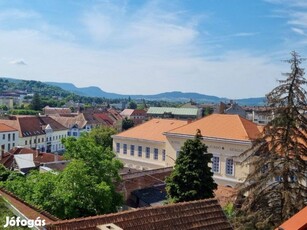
pixel 8 137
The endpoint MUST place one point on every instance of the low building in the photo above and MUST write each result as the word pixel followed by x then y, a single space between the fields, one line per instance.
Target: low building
pixel 176 113
pixel 143 146
pixel 8 137
pixel 138 116
pixel 38 132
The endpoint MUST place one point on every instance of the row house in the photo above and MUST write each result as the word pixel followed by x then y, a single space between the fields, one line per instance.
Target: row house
pixel 76 124
pixel 8 137
pixel 157 143
pixel 138 116
pixel 38 132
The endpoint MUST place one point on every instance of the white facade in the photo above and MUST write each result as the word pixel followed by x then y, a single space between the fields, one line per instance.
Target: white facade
pixel 8 140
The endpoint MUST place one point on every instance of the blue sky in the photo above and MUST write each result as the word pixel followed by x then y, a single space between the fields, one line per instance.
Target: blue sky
pixel 229 48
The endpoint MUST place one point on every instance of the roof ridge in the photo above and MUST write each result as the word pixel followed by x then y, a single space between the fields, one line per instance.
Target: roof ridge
pixel 168 206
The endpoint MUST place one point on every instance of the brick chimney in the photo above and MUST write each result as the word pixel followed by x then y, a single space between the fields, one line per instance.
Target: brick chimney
pixel 37 152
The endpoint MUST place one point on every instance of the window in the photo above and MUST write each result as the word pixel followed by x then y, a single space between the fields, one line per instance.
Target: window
pixel 216 164
pixel 163 154
pixel 147 152
pixel 30 142
pixel 132 150
pixel 13 136
pixel 229 167
pixel 140 151
pixel 117 147
pixel 39 140
pixel 125 148
pixel 68 133
pixel 3 136
pixel 42 139
pixel 156 153
pixel 8 147
pixel 9 137
pixel 26 142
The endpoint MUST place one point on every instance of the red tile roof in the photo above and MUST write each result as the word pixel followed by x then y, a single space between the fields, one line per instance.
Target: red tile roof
pixel 202 214
pixel 296 222
pixel 224 126
pixel 7 159
pixel 32 125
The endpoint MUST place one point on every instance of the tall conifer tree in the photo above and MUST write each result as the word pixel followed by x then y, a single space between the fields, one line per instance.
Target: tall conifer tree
pixel 276 188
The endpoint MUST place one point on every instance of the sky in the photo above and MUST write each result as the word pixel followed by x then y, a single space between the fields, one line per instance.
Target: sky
pixel 226 48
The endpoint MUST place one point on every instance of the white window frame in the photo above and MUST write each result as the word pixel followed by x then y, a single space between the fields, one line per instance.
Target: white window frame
pixel 227 167
pixel 214 164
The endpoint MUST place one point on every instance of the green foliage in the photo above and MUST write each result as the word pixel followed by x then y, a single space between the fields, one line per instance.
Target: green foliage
pixel 127 124
pixel 102 136
pixel 191 178
pixel 24 112
pixel 275 185
pixel 36 102
pixel 132 105
pixel 85 187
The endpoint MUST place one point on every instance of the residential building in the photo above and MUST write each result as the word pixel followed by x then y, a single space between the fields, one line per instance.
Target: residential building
pixel 38 132
pixel 261 115
pixel 138 116
pixel 227 137
pixel 7 101
pixel 201 214
pixel 157 143
pixel 230 108
pixel 54 110
pixel 176 113
pixel 25 159
pixel 8 137
pixel 143 146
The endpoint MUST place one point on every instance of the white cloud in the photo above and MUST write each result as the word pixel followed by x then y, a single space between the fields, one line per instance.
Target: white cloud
pixel 299 31
pixel 18 62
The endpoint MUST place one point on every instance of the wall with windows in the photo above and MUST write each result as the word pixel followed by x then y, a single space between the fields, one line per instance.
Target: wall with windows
pixel 226 164
pixel 8 140
pixel 152 152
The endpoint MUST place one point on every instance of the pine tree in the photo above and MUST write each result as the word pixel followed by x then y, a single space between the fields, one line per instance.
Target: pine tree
pixel 276 188
pixel 191 178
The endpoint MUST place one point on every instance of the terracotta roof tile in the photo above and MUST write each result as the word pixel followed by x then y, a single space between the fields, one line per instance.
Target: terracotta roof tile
pixel 296 222
pixel 201 214
pixel 224 126
pixel 152 130
pixel 6 128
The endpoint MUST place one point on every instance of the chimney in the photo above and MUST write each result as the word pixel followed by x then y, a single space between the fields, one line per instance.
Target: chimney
pixel 2 152
pixel 37 151
pixel 56 157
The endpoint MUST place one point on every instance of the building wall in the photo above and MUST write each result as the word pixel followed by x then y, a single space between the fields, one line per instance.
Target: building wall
pixel 144 144
pixel 223 150
pixel 8 140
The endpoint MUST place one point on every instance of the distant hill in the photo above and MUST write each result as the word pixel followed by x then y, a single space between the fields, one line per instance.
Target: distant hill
pixel 94 91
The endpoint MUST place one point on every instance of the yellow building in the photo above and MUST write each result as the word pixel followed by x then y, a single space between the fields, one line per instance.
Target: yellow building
pixel 143 147
pixel 227 136
pixel 157 143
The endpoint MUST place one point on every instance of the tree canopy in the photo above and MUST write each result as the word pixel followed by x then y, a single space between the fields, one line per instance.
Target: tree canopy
pixel 85 187
pixel 276 186
pixel 191 178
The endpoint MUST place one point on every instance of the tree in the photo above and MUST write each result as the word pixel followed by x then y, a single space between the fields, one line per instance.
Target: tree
pixel 103 136
pixel 127 124
pixel 132 105
pixel 275 186
pixel 36 102
pixel 191 178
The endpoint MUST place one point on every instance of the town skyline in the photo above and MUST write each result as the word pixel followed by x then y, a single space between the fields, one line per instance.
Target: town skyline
pixel 231 50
